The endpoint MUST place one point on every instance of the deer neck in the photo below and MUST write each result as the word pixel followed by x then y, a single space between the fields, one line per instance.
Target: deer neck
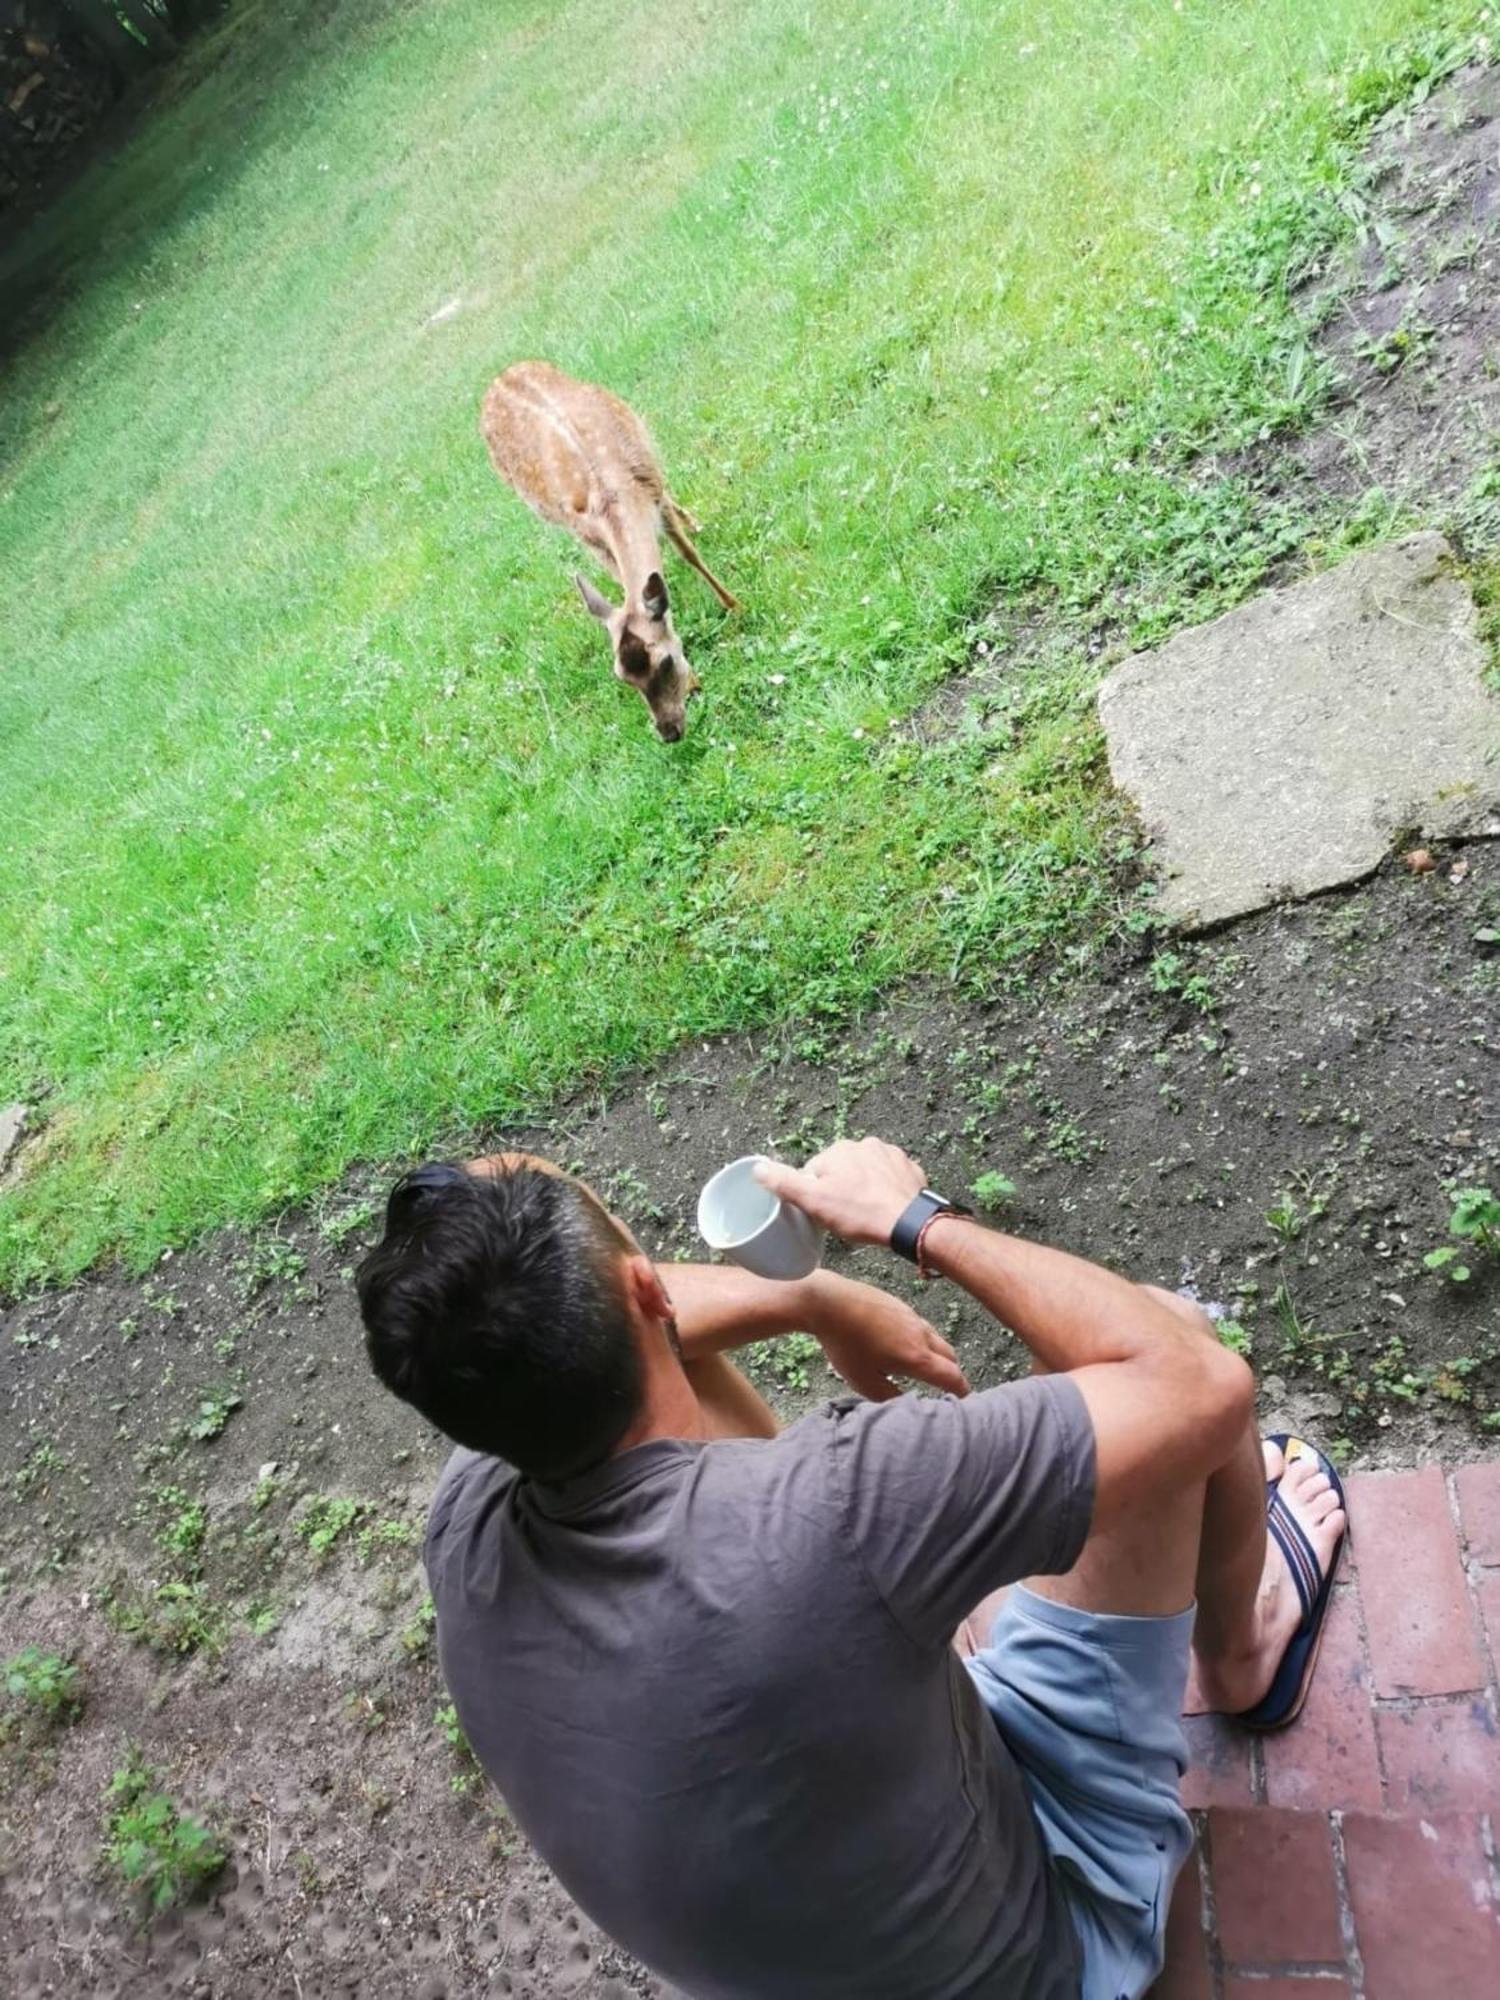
pixel 635 548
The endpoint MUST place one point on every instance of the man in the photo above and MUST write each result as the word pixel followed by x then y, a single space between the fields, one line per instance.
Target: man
pixel 709 1666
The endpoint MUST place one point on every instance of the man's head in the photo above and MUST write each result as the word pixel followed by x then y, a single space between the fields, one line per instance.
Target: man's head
pixel 508 1306
pixel 648 653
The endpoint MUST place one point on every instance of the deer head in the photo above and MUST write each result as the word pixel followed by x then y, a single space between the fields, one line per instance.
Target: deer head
pixel 648 653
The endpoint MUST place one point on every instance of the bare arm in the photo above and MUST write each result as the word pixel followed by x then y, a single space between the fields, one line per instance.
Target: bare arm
pixel 1167 1402
pixel 867 1335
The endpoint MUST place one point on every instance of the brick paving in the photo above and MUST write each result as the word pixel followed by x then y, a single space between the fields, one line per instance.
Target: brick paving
pixel 1356 1856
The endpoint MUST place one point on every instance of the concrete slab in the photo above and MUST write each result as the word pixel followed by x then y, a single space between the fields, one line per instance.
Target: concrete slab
pixel 12 1130
pixel 1280 749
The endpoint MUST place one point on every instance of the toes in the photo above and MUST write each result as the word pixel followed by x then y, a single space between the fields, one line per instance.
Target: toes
pixel 1275 1463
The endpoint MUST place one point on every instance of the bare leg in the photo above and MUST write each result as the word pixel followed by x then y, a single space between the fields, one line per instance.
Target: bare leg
pixel 1210 1541
pixel 675 523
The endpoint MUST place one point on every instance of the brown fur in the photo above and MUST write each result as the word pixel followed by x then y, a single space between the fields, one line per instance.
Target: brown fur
pixel 582 459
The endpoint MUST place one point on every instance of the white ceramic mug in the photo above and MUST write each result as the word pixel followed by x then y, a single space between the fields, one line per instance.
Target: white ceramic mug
pixel 753 1227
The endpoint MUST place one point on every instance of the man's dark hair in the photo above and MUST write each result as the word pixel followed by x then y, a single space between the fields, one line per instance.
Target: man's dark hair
pixel 495 1304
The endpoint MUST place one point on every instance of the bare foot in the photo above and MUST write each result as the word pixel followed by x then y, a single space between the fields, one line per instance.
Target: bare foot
pixel 1239 1682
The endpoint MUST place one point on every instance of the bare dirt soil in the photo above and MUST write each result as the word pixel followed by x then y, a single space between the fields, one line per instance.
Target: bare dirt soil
pixel 213 1508
pixel 1409 316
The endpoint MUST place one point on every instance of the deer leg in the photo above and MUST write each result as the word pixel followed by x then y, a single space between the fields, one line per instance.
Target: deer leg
pixel 602 549
pixel 676 524
pixel 690 526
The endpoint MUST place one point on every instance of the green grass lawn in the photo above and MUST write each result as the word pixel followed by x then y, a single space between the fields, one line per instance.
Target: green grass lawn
pixel 324 831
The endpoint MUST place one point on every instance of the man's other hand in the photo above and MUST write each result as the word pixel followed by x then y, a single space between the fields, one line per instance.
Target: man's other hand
pixel 869 1337
pixel 858 1188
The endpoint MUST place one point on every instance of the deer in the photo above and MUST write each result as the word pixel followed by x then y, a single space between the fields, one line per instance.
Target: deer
pixel 583 460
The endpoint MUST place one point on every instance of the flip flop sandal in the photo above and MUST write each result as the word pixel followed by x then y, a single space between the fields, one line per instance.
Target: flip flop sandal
pixel 1282 1703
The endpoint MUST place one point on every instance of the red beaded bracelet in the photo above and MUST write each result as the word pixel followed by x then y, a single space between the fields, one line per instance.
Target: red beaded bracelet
pixel 920 1261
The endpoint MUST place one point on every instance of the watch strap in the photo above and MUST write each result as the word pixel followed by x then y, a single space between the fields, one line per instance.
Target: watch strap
pixel 915 1217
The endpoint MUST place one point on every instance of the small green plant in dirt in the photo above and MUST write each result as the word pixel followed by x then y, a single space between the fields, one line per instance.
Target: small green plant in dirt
pixel 1173 975
pixel 160 1853
pixel 627 1194
pixel 1295 1210
pixel 1386 352
pixel 1475 1224
pixel 1451 1380
pixel 415 1635
pixel 184 1525
pixel 32 1472
pixel 367 1711
pixel 1304 1346
pixel 326 1520
pixel 41 1688
pixel 993 1190
pixel 1233 1335
pixel 1390 1376
pixel 271 1260
pixel 214 1412
pixel 172 1617
pixel 469 1771
pixel 785 1362
pixel 261 1619
pixel 384 1538
pixel 340 1224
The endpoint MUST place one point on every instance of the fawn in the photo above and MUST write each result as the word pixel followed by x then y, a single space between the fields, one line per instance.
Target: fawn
pixel 581 458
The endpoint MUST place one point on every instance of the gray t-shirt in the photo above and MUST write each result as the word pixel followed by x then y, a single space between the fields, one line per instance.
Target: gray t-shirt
pixel 715 1685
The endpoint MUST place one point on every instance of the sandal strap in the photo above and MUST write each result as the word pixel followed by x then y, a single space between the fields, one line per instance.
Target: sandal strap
pixel 1301 1557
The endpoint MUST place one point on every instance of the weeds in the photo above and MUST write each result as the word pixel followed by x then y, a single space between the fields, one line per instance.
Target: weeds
pixel 327 1519
pixel 785 1362
pixel 272 1260
pixel 469 1772
pixel 1475 1225
pixel 993 1190
pixel 1300 1206
pixel 1171 974
pixel 176 1617
pixel 158 1852
pixel 1233 1335
pixel 42 1687
pixel 415 1637
pixel 214 1413
pixel 385 1538
pixel 184 1523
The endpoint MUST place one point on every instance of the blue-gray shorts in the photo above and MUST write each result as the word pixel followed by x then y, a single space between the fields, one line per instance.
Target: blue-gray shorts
pixel 1089 1706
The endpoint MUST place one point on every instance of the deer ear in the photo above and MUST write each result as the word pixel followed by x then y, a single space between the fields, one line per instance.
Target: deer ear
pixel 598 604
pixel 654 596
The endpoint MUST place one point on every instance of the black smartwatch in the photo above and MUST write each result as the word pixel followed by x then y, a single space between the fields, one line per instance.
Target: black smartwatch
pixel 915 1217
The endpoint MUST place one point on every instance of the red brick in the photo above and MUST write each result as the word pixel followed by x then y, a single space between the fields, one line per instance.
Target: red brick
pixel 1479 1509
pixel 1287 1989
pixel 1416 1601
pixel 1185 1975
pixel 1424 1912
pixel 1274 1888
pixel 1437 1759
pixel 1328 1757
pixel 1219 1773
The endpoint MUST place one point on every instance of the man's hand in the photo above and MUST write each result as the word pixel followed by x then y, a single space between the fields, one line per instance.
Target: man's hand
pixel 868 1337
pixel 858 1188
